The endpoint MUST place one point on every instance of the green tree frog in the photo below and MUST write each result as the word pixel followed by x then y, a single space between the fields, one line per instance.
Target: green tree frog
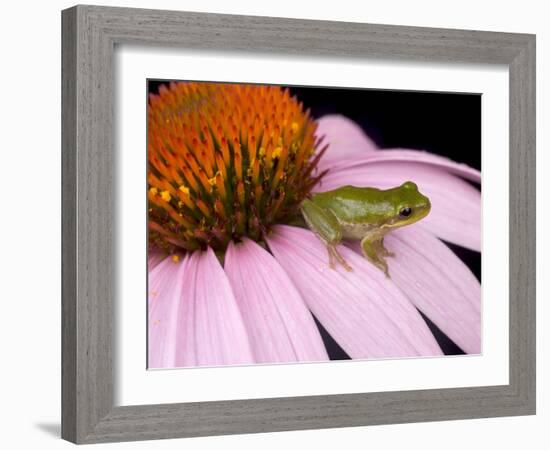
pixel 363 213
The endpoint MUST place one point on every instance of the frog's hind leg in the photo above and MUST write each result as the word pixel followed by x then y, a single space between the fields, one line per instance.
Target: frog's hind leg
pixel 323 223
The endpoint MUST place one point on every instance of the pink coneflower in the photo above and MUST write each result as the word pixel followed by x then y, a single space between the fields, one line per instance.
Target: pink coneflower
pixel 235 278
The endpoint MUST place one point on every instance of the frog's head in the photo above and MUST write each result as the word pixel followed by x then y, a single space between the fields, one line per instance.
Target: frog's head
pixel 409 205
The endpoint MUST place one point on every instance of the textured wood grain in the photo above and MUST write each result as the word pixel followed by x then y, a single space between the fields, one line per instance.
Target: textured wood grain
pixel 522 224
pixel 89 36
pixel 68 225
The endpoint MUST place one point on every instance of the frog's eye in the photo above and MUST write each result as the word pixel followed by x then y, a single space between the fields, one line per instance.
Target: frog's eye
pixel 405 212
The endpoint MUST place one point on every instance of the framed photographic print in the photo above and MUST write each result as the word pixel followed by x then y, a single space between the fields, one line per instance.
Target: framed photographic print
pixel 278 224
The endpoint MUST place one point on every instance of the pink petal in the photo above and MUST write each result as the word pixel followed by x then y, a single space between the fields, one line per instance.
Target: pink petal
pixel 456 205
pixel 220 335
pixel 154 257
pixel 438 283
pixel 194 319
pixel 415 156
pixel 346 140
pixel 164 299
pixel 362 310
pixel 280 326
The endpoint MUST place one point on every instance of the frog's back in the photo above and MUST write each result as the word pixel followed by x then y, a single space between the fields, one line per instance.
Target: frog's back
pixel 351 204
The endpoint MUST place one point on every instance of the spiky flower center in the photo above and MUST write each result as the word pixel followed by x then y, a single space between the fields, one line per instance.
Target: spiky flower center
pixel 225 161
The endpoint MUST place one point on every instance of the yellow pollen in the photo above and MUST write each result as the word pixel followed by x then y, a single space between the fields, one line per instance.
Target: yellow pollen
pixel 294 126
pixel 261 152
pixel 277 152
pixel 249 171
pixel 154 191
pixel 165 196
pixel 184 189
pixel 175 258
pixel 212 181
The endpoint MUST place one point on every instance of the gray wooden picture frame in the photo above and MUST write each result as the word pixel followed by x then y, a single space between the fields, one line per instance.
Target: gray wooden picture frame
pixel 90 34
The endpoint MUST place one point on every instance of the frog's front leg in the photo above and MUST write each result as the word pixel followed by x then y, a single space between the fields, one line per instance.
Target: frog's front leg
pixel 325 225
pixel 373 249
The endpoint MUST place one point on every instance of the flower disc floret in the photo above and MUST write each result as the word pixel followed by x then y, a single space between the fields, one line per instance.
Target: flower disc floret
pixel 226 161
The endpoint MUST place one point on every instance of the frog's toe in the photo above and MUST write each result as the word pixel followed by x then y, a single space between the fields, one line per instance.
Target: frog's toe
pixel 383 251
pixel 381 264
pixel 330 258
pixel 347 266
pixel 335 254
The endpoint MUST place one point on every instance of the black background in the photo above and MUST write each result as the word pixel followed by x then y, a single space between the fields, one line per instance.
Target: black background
pixel 447 124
